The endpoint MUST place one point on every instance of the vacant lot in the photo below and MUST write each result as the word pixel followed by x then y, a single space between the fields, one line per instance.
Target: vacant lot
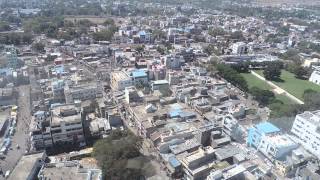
pixel 293 85
pixel 254 81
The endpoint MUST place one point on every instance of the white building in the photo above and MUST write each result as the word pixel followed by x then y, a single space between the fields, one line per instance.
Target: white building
pixel 315 77
pixel 276 146
pixel 238 48
pixel 306 129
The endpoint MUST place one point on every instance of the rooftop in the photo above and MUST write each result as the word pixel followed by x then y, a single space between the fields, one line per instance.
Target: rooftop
pixel 139 73
pixel 69 170
pixel 66 113
pixel 25 166
pixel 267 128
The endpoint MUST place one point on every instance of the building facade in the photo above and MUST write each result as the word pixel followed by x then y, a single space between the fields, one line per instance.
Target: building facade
pixel 306 129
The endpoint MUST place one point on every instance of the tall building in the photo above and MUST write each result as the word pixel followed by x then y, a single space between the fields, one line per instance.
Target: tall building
pixel 306 128
pixel 66 125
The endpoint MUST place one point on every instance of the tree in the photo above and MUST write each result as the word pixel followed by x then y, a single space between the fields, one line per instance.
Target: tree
pixel 39 47
pixel 161 50
pixel 109 21
pixel 216 32
pixel 311 99
pixel 241 67
pixel 4 26
pixel 139 49
pixel 232 76
pixel 105 35
pixel 264 97
pixel 272 72
pixel 301 72
pixel 237 35
pixel 211 49
pixel 114 152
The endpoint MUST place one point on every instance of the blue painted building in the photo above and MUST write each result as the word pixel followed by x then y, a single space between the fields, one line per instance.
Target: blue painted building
pixel 257 132
pixel 139 76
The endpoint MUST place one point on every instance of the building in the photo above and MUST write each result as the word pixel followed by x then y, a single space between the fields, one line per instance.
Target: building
pixel 139 77
pixel 306 130
pixel 120 80
pixel 162 85
pixel 257 132
pixel 196 165
pixel 277 146
pixel 72 170
pixel 58 90
pixel 82 92
pixel 66 125
pixel 173 61
pixel 28 167
pixel 7 96
pixel 315 77
pixel 239 48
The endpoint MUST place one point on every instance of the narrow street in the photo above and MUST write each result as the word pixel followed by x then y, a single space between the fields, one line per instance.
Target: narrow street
pixel 20 136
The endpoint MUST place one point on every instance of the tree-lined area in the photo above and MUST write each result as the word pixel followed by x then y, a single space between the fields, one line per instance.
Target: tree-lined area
pixel 119 156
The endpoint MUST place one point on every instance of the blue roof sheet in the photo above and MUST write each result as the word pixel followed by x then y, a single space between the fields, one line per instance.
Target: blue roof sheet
pixel 139 73
pixel 59 69
pixel 175 113
pixel 5 71
pixel 267 127
pixel 142 33
pixel 174 162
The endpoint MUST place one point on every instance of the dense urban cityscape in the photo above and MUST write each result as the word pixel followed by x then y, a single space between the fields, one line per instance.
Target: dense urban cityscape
pixel 159 90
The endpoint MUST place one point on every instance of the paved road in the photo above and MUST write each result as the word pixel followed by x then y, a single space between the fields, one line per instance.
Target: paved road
pixel 21 135
pixel 277 89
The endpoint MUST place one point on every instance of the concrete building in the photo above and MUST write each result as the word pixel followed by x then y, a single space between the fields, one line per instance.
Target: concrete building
pixel 196 165
pixel 58 90
pixel 66 125
pixel 120 80
pixel 238 48
pixel 173 61
pixel 257 132
pixel 161 85
pixel 306 129
pixel 72 170
pixel 6 96
pixel 277 146
pixel 139 77
pixel 82 92
pixel 315 77
pixel 28 167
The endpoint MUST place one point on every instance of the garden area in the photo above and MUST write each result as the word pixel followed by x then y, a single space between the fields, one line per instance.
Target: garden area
pixel 253 81
pixel 294 86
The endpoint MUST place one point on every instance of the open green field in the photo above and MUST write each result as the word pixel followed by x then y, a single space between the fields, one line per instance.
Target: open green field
pixel 293 85
pixel 254 81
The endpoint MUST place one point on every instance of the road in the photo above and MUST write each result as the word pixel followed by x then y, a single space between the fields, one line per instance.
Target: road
pixel 277 89
pixel 21 135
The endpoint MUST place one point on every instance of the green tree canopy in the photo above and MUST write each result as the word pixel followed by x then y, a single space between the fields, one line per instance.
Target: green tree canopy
pixel 115 153
pixel 272 72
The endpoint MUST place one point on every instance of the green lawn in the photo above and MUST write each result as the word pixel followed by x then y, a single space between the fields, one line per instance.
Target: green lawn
pixel 293 85
pixel 254 81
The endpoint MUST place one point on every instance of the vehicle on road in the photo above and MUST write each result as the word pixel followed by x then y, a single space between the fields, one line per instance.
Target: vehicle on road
pixel 6 175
